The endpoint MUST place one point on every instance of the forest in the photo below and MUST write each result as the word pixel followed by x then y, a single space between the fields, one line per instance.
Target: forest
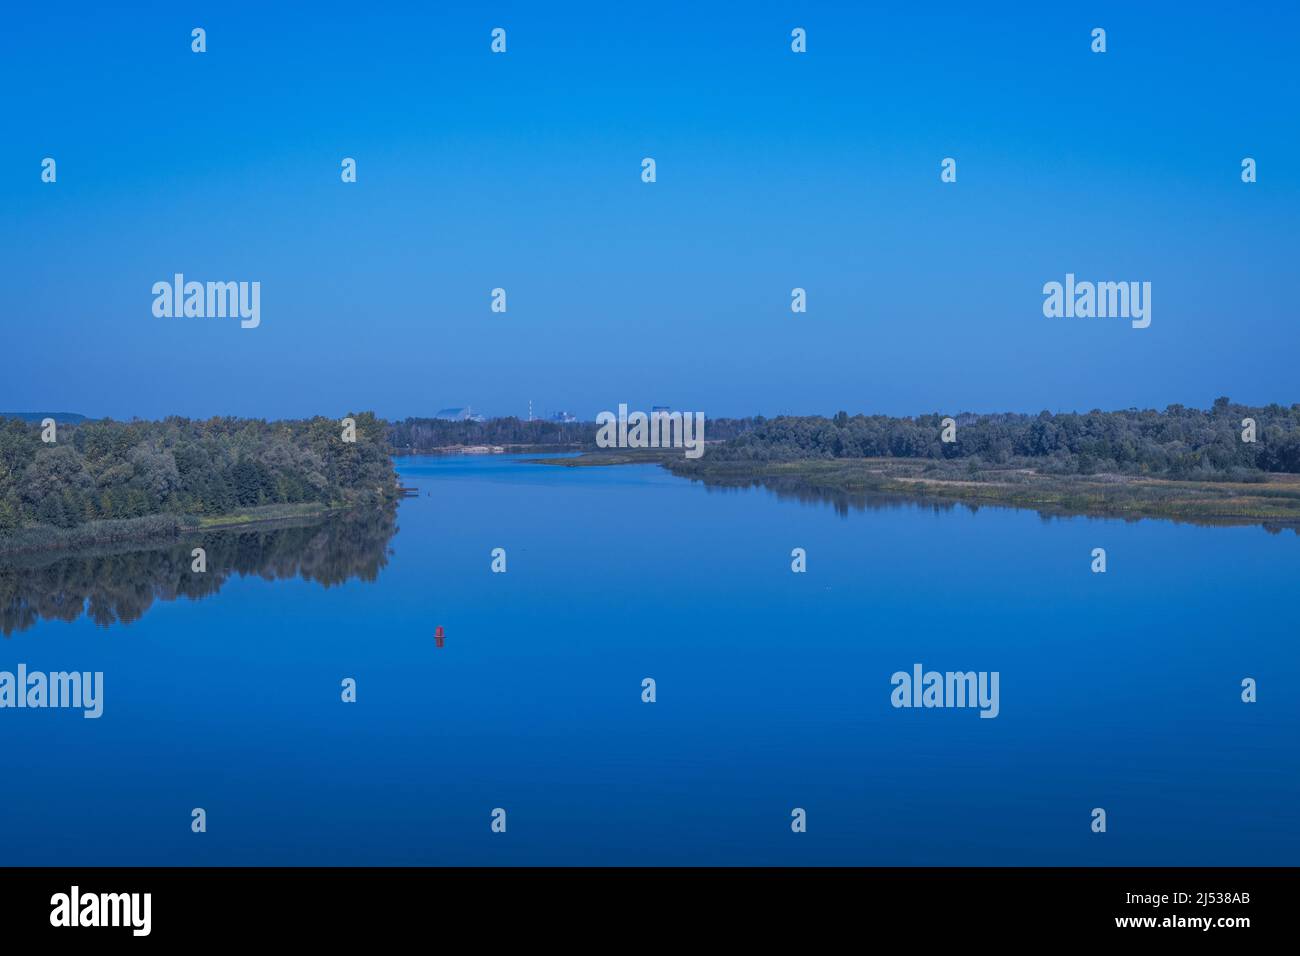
pixel 105 480
pixel 1178 442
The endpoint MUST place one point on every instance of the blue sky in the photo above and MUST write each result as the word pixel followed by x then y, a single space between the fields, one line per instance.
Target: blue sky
pixel 522 171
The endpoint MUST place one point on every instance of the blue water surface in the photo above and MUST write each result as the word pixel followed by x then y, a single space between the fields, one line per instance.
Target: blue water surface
pixel 1119 690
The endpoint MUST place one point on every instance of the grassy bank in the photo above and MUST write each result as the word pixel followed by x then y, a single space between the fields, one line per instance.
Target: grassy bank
pixel 33 538
pixel 623 456
pixel 1267 498
pixel 152 528
pixel 268 513
pixel 1272 498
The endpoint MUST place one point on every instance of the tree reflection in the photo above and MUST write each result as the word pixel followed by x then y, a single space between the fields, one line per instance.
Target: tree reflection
pixel 117 585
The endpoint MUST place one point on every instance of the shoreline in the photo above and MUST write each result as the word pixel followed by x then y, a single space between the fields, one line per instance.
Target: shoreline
pixel 159 529
pixel 506 449
pixel 1274 500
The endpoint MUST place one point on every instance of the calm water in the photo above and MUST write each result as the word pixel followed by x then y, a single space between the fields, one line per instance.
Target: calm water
pixel 1119 690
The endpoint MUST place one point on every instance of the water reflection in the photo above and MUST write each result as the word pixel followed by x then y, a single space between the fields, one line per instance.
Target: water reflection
pixel 844 502
pixel 118 584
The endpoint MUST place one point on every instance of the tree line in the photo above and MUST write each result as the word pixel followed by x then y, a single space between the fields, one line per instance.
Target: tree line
pixel 97 471
pixel 1178 442
pixel 178 468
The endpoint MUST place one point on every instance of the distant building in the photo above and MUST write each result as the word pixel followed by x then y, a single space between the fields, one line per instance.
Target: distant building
pixel 564 417
pixel 465 414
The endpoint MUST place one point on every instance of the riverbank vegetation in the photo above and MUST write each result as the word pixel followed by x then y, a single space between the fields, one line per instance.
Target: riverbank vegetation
pixel 1269 499
pixel 1177 443
pixel 107 481
pixel 1179 463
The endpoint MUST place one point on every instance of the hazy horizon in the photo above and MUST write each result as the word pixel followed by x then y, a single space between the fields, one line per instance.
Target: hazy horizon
pixel 589 419
pixel 775 170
